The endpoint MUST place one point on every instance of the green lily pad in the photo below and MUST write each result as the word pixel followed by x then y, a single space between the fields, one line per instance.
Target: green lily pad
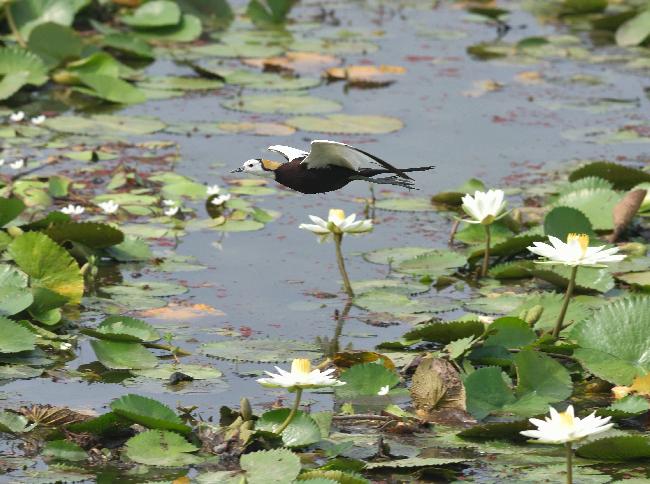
pixel 259 80
pixel 21 372
pixel 124 328
pixel 621 176
pixel 149 413
pixel 10 208
pixel 14 423
pixel 187 30
pixel 394 255
pixel 239 226
pixel 382 301
pixel 110 88
pixel 64 450
pixel 105 124
pixel 634 31
pixel 510 333
pixel 156 13
pixel 161 448
pixel 433 264
pixel 365 380
pixel 282 104
pixel 55 43
pixel 261 350
pixel 276 466
pixel 146 289
pixel 399 286
pixel 180 83
pixel 14 293
pixel 616 448
pixel 561 221
pixel 637 279
pixel 453 198
pixel 346 124
pixel 414 462
pixel 444 332
pixel 613 341
pixel 16 338
pixel 48 265
pixel 588 278
pixel 627 407
pixel 552 304
pixel 119 355
pixel 91 234
pixel 302 430
pixel 15 59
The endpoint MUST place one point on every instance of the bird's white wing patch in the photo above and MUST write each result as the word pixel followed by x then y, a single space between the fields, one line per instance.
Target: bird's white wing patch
pixel 288 152
pixel 324 153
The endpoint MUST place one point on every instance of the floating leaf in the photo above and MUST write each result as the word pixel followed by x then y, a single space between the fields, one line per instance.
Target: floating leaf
pixel 510 333
pixel 110 89
pixel 124 328
pixel 414 462
pixel 454 197
pixel 64 450
pixel 561 221
pixel 261 350
pixel 55 43
pixel 282 104
pixel 346 124
pixel 444 332
pixel 156 13
pixel 627 407
pixel 105 124
pixel 239 226
pixel 552 304
pixel 187 30
pixel 148 412
pixel 588 278
pixel 48 265
pixel 28 14
pixel 91 234
pixel 16 338
pixel 617 448
pixel 11 83
pixel 10 208
pixel 146 289
pixel 394 255
pixel 433 264
pixel 161 448
pixel 14 293
pixel 365 379
pixel 634 31
pixel 613 341
pixel 118 355
pixel 382 301
pixel 622 177
pixel 269 12
pixel 13 423
pixel 302 430
pixel 164 372
pixel 277 466
pixel 542 376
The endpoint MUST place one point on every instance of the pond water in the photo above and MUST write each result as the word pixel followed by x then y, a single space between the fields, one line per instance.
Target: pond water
pixel 509 122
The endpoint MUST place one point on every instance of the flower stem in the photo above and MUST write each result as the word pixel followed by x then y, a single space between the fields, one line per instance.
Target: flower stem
pixel 292 413
pixel 565 304
pixel 486 255
pixel 569 463
pixel 12 25
pixel 338 238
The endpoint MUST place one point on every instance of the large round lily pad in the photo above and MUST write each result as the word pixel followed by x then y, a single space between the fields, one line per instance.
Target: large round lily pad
pixel 261 350
pixel 282 104
pixel 346 124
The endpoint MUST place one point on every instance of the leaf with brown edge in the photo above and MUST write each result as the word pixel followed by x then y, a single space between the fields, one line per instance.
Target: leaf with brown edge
pixel 365 76
pixel 346 359
pixel 295 62
pixel 625 210
pixel 437 388
pixel 641 385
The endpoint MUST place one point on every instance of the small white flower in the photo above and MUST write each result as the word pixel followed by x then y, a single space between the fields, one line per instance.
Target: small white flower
pixel 36 120
pixel 565 427
pixel 384 390
pixel 171 211
pixel 169 203
pixel 575 252
pixel 17 117
pixel 337 223
pixel 212 190
pixel 2 161
pixel 109 207
pixel 18 164
pixel 66 346
pixel 484 207
pixel 300 376
pixel 220 199
pixel 73 209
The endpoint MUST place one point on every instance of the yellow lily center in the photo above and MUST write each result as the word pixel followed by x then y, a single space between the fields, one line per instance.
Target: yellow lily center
pixel 336 215
pixel 301 365
pixel 582 239
pixel 567 419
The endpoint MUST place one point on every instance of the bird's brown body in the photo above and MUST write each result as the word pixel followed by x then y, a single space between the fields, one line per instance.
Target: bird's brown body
pixel 297 176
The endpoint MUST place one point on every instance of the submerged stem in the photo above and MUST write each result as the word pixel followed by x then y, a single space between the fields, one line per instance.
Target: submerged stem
pixel 338 238
pixel 565 303
pixel 292 413
pixel 569 463
pixel 486 255
pixel 12 25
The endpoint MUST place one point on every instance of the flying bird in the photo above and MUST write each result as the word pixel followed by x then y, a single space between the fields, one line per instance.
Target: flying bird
pixel 329 166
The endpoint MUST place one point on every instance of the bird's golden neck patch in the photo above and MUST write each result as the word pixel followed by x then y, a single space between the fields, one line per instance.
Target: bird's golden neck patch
pixel 270 165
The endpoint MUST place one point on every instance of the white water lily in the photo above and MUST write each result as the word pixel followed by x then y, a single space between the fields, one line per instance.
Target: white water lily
pixel 565 427
pixel 17 117
pixel 575 252
pixel 301 376
pixel 384 390
pixel 171 211
pixel 36 120
pixel 169 203
pixel 73 209
pixel 2 161
pixel 484 207
pixel 337 223
pixel 212 190
pixel 220 199
pixel 18 164
pixel 109 207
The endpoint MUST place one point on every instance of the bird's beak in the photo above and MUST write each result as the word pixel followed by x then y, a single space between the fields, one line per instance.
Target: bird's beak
pixel 238 170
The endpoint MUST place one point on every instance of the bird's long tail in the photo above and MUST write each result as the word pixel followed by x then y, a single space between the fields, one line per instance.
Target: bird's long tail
pixel 388 180
pixel 381 171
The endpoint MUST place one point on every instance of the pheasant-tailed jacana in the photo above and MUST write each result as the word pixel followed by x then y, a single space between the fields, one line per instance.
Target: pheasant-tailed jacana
pixel 329 165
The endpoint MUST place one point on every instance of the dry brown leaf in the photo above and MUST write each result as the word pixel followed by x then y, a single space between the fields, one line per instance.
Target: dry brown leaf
pixel 263 129
pixel 366 75
pixel 436 386
pixel 529 77
pixel 641 385
pixel 181 480
pixel 345 359
pixel 625 210
pixel 128 3
pixel 483 87
pixel 51 416
pixel 295 62
pixel 175 311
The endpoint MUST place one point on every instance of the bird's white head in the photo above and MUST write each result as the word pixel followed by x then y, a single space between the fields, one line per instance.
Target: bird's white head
pixel 259 167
